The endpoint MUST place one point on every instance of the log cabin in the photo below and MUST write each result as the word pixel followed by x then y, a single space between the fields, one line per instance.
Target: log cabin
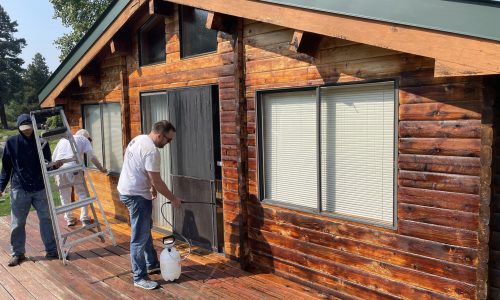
pixel 348 147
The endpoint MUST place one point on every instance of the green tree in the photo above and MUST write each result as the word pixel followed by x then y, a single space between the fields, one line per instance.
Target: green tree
pixel 10 63
pixel 33 78
pixel 79 15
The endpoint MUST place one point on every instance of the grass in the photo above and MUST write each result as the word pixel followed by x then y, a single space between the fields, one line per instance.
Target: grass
pixel 5 133
pixel 5 199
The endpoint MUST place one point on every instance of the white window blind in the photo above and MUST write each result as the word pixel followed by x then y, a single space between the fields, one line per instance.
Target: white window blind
pixel 357 150
pixel 290 148
pixel 92 115
pixel 154 108
pixel 113 149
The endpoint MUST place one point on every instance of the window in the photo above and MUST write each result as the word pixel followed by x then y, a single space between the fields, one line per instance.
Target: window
pixel 152 41
pixel 103 122
pixel 195 37
pixel 330 150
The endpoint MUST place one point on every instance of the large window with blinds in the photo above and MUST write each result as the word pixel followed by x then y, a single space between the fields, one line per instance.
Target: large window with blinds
pixel 330 150
pixel 103 122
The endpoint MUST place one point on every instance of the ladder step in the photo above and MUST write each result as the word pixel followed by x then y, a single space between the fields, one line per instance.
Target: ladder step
pixel 67 160
pixel 79 230
pixel 75 205
pixel 83 239
pixel 51 133
pixel 65 170
pixel 55 137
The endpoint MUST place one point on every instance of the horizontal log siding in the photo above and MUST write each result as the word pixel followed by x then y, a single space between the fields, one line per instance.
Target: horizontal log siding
pixel 433 252
pixel 108 90
pixel 213 68
pixel 493 90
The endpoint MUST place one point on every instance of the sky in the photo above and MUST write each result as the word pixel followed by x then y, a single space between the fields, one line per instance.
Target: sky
pixel 37 27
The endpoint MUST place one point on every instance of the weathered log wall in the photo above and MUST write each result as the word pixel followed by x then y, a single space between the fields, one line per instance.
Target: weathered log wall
pixel 433 253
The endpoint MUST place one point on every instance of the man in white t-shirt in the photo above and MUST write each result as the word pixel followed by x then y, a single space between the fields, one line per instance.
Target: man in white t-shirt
pixel 139 182
pixel 76 180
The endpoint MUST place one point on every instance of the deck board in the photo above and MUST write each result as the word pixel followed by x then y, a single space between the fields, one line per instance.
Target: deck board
pixel 99 270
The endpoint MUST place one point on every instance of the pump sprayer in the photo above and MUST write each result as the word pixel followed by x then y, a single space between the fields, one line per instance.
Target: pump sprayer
pixel 170 258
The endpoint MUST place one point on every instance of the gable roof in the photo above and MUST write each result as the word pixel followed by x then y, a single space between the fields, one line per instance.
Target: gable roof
pixel 102 23
pixel 478 19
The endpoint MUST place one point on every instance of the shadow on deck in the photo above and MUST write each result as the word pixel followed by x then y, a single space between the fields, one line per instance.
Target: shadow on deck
pixel 102 271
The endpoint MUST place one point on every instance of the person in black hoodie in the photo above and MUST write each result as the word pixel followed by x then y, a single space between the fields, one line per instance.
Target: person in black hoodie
pixel 21 165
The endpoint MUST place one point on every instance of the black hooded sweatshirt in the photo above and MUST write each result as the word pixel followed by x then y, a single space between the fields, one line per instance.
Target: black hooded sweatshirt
pixel 21 163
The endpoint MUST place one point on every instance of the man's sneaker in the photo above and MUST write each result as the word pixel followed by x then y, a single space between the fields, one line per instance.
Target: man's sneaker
pixel 71 223
pixel 146 284
pixel 86 223
pixel 16 260
pixel 52 255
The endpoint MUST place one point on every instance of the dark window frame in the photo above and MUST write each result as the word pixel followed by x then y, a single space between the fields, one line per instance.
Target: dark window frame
pixel 149 22
pixel 259 95
pixel 181 36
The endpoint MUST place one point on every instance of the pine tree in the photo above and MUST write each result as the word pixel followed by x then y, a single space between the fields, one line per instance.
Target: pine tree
pixel 10 63
pixel 33 79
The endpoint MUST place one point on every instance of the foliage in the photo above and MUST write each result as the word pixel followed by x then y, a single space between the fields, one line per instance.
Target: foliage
pixel 33 78
pixel 10 63
pixel 53 122
pixel 79 15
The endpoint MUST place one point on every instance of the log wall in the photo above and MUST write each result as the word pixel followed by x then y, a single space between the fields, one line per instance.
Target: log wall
pixel 433 253
pixel 122 80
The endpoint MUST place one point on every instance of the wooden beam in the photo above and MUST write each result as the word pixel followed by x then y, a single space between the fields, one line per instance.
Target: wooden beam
pixel 119 45
pixel 446 69
pixel 479 54
pixel 305 42
pixel 159 7
pixel 221 22
pixel 88 80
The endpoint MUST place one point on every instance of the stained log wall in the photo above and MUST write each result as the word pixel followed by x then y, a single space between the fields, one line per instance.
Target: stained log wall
pixel 492 90
pixel 433 253
pixel 122 80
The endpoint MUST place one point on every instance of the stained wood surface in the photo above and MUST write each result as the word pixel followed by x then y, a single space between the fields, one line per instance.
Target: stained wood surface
pixel 99 270
pixel 433 253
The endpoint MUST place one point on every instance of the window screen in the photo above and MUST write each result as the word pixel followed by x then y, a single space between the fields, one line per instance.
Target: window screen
pixel 357 150
pixel 103 122
pixel 113 152
pixel 92 115
pixel 290 164
pixel 195 37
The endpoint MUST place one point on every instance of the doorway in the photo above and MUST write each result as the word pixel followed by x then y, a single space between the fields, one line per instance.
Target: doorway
pixel 191 163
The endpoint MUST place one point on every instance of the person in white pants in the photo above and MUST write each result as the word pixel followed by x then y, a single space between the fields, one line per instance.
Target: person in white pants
pixel 76 180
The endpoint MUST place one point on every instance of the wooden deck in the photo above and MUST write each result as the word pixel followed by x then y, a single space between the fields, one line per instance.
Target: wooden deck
pixel 102 271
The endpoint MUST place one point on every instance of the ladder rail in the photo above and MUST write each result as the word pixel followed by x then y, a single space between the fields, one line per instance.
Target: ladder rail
pixel 63 245
pixel 48 188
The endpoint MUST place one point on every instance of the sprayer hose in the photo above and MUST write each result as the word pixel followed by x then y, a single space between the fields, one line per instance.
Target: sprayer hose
pixel 166 220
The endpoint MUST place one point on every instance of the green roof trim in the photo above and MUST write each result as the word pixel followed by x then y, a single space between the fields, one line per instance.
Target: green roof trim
pixel 479 18
pixel 88 40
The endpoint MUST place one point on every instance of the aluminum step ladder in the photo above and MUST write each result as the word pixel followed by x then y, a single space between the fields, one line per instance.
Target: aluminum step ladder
pixel 43 137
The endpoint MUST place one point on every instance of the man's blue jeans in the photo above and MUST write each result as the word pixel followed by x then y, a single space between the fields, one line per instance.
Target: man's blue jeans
pixel 21 202
pixel 142 252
